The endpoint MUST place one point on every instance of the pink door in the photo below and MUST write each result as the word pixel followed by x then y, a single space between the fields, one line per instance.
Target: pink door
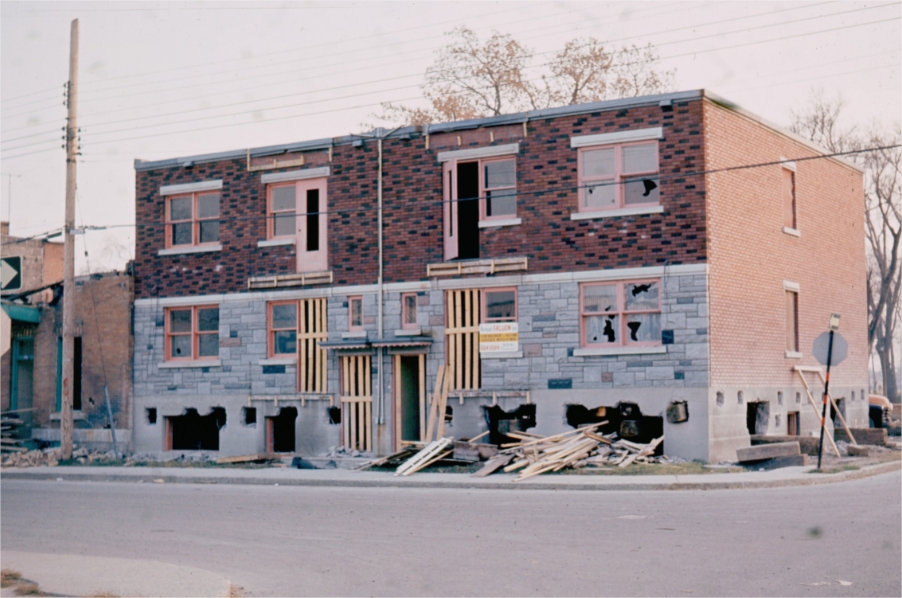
pixel 449 203
pixel 312 246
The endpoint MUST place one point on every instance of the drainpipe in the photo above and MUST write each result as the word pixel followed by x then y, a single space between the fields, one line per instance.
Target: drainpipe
pixel 379 324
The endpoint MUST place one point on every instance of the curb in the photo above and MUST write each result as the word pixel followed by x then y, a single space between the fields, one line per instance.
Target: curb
pixel 802 479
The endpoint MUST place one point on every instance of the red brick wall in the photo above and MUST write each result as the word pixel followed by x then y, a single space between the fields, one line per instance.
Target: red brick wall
pixel 547 180
pixel 751 256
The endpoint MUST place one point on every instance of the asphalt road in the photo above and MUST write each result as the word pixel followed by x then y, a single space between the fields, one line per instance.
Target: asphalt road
pixel 293 541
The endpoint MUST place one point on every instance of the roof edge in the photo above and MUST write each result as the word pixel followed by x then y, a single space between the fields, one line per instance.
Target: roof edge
pixel 733 107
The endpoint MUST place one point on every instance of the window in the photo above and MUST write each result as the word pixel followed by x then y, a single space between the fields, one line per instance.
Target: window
pixel 618 176
pixel 498 189
pixel 192 219
pixel 620 314
pixel 409 311
pixel 792 321
pixel 282 205
pixel 192 333
pixel 789 199
pixel 355 313
pixel 283 329
pixel 499 305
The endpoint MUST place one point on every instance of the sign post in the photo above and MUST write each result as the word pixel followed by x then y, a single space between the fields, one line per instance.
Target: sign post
pixel 834 325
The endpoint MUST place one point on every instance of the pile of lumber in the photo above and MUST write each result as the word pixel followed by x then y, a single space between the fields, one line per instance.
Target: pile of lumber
pixel 582 447
pixel 9 434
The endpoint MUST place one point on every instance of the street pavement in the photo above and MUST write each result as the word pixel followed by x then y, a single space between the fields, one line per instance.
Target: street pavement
pixel 839 539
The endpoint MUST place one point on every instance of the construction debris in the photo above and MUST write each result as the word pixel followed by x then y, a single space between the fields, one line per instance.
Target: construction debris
pixel 9 434
pixel 578 448
pixel 28 458
pixel 434 451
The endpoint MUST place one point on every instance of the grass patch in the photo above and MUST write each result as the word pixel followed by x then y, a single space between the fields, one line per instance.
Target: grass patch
pixel 28 589
pixel 9 577
pixel 836 469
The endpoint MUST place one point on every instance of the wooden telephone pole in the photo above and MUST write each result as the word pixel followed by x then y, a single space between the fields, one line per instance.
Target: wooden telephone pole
pixel 68 376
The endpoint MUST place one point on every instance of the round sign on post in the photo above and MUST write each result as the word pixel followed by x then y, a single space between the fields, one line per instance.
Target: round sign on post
pixel 821 345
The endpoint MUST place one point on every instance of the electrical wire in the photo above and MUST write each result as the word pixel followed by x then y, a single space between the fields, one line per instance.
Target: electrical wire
pixel 242 113
pixel 540 193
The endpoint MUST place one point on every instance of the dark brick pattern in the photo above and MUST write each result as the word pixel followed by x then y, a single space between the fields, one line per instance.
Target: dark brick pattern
pixel 546 179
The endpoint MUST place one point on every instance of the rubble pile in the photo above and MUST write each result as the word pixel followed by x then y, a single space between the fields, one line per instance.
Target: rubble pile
pixel 582 447
pixel 28 458
pixel 9 432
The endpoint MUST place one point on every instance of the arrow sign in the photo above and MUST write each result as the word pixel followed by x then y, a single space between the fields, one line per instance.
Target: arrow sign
pixel 820 346
pixel 11 273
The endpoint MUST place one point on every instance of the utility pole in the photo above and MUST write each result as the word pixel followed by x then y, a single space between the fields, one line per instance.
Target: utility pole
pixel 66 424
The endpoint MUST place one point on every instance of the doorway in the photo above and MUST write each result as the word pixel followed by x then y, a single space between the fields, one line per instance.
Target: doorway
pixel 468 210
pixel 756 417
pixel 410 398
pixel 22 382
pixel 280 431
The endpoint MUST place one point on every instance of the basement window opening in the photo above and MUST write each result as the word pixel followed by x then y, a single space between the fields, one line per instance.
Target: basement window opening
pixel 249 415
pixel 151 415
pixel 280 431
pixel 193 432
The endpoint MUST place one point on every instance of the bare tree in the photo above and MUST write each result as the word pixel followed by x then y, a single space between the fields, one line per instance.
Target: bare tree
pixel 820 121
pixel 471 79
pixel 883 222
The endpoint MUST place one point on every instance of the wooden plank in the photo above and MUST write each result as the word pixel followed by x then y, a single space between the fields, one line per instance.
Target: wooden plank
pixel 396 377
pixel 249 458
pixel 493 465
pixel 324 335
pixel 768 451
pixel 439 379
pixel 302 348
pixel 811 401
pixel 475 438
pixel 458 362
pixel 368 407
pixel 422 394
pixel 417 468
pixel 443 403
pixel 474 322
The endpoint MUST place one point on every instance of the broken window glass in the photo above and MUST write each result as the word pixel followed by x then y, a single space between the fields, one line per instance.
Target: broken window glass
pixel 600 298
pixel 500 306
pixel 601 329
pixel 180 346
pixel 208 319
pixel 641 190
pixel 643 328
pixel 641 296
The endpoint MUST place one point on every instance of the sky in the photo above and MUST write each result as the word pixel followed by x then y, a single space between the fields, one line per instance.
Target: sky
pixel 167 79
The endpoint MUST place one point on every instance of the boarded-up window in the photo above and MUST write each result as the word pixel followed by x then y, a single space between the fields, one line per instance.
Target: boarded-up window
pixel 789 198
pixel 357 402
pixel 462 338
pixel 792 321
pixel 312 329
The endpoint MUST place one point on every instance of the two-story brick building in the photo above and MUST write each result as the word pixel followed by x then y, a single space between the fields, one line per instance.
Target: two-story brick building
pixel 652 250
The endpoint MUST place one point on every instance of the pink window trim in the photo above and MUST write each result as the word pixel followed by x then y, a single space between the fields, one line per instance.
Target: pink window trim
pixel 483 300
pixel 351 326
pixel 405 325
pixel 195 221
pixel 270 213
pixel 483 192
pixel 271 348
pixel 195 335
pixel 621 314
pixel 616 179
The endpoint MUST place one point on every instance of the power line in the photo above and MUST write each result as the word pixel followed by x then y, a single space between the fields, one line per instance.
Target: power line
pixel 30 154
pixel 551 190
pixel 411 99
pixel 543 28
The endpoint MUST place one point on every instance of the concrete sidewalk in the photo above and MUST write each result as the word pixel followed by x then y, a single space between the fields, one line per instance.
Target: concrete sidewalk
pixel 78 575
pixel 787 476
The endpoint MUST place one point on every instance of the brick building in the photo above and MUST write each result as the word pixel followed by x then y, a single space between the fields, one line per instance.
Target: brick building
pixel 31 365
pixel 668 249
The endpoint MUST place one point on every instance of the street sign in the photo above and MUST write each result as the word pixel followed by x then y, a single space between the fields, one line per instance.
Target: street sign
pixel 11 273
pixel 821 345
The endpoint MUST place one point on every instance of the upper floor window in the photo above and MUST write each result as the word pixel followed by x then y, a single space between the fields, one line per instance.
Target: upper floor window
pixel 620 314
pixel 282 205
pixel 283 329
pixel 192 219
pixel 498 189
pixel 618 176
pixel 192 333
pixel 408 311
pixel 789 199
